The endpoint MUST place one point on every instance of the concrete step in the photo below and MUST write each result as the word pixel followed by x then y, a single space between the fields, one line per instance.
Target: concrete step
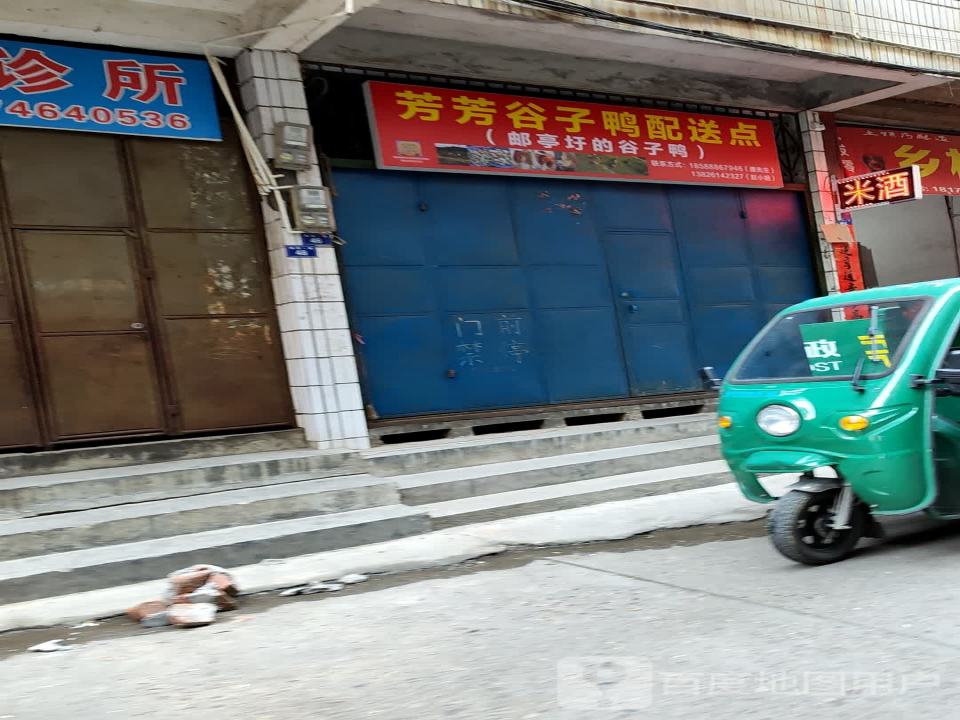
pixel 96 568
pixel 57 461
pixel 389 460
pixel 87 489
pixel 444 485
pixel 64 532
pixel 484 508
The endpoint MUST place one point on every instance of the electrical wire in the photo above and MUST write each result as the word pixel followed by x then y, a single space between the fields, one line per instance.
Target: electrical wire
pixel 263 175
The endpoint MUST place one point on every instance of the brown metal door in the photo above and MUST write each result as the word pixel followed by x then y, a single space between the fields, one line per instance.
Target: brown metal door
pixel 137 300
pixel 91 332
pixel 68 204
pixel 19 423
pixel 212 286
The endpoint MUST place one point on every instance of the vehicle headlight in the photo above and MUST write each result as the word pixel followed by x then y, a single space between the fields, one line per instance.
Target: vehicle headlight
pixel 778 420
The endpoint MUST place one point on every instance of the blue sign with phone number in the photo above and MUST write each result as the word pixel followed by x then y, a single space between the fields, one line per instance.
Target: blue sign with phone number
pixel 68 88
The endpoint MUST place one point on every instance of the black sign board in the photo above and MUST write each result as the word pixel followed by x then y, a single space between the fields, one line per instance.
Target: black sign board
pixel 885 187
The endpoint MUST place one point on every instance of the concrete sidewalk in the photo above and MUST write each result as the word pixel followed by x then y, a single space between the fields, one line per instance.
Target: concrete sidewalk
pixel 707 622
pixel 608 521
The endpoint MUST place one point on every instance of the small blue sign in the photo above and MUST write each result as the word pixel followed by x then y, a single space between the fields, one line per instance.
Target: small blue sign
pixel 301 251
pixel 317 238
pixel 70 88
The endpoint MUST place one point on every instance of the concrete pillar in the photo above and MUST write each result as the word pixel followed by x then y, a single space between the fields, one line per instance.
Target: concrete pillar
pixel 821 190
pixel 953 208
pixel 316 336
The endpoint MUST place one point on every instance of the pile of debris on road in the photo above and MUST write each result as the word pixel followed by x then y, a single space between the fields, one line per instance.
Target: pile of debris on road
pixel 194 596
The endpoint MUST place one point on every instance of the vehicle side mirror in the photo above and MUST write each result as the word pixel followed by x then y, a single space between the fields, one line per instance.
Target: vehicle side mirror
pixel 710 379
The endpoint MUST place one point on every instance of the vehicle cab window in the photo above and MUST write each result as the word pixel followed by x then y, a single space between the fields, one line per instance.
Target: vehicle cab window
pixel 952 360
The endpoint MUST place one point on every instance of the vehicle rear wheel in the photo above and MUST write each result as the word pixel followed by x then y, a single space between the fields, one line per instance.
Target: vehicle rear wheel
pixel 800 528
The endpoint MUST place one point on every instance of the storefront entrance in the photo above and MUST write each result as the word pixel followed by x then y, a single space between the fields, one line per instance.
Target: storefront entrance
pixel 135 296
pixel 472 293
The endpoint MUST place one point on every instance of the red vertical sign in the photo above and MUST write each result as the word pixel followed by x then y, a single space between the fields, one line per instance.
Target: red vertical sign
pixel 846 255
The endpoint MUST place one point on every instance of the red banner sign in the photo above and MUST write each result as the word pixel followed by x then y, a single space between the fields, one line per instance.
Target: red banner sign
pixel 473 131
pixel 866 150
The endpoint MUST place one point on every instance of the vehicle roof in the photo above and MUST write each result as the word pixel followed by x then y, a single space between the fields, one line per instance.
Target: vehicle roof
pixel 932 288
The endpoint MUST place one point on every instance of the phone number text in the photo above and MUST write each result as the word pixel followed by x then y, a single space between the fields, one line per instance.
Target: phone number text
pixel 98 115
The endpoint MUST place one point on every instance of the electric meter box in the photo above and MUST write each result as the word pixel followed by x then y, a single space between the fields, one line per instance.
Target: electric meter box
pixel 292 146
pixel 312 210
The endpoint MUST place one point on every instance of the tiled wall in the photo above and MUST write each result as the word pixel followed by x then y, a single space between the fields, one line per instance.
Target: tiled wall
pixel 313 319
pixel 821 191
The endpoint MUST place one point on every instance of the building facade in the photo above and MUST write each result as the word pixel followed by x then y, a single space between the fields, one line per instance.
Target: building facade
pixel 585 205
pixel 558 269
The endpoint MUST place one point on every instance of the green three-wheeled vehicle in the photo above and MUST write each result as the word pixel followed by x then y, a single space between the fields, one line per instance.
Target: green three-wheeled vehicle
pixel 860 394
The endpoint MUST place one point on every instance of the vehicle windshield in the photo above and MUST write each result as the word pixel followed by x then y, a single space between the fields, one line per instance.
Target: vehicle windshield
pixel 831 343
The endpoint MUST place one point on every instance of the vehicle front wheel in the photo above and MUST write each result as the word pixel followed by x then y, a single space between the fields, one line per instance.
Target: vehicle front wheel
pixel 800 528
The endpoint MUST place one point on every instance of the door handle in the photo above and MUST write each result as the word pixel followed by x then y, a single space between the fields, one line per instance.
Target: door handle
pixel 633 308
pixel 137 326
pixel 624 294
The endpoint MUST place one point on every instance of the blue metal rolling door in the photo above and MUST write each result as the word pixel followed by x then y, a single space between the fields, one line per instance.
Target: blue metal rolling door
pixel 470 293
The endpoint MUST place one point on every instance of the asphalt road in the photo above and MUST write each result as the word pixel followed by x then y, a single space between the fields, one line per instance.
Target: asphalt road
pixel 686 624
